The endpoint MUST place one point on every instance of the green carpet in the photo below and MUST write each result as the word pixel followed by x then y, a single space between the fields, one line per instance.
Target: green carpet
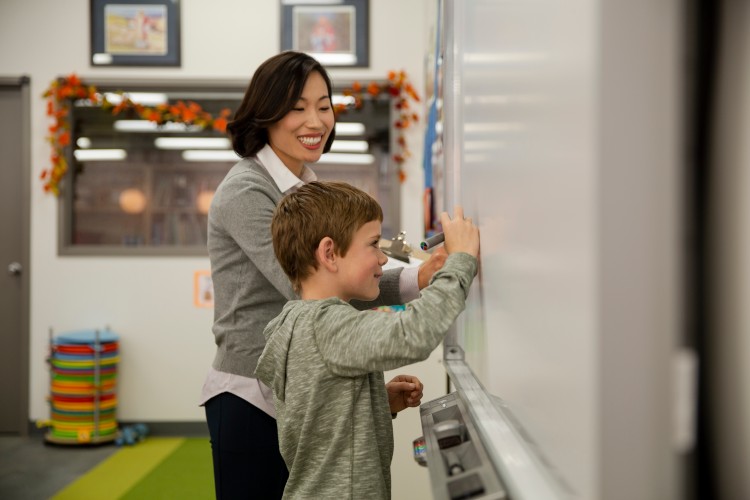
pixel 157 468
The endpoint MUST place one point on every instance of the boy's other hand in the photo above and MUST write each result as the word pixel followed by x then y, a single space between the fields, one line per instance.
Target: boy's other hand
pixel 431 266
pixel 461 235
pixel 404 391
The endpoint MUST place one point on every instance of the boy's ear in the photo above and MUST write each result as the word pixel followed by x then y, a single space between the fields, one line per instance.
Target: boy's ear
pixel 326 254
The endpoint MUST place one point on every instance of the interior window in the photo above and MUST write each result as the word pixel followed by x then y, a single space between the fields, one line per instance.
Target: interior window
pixel 141 188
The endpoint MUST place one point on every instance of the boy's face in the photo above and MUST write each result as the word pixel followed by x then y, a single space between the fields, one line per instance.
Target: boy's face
pixel 359 272
pixel 301 135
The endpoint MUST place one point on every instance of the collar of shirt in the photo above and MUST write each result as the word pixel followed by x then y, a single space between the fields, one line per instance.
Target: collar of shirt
pixel 285 180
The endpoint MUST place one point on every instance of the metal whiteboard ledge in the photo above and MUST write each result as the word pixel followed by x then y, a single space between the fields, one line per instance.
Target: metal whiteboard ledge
pixel 523 473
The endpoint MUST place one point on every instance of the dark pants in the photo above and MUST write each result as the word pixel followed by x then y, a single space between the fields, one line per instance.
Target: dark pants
pixel 245 448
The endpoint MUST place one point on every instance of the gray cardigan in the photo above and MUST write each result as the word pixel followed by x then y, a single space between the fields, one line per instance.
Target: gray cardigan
pixel 324 361
pixel 250 288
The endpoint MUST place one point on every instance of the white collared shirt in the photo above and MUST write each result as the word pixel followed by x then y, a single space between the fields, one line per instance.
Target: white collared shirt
pixel 285 180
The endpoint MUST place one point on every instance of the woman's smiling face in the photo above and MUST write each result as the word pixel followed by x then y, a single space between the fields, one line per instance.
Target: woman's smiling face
pixel 301 135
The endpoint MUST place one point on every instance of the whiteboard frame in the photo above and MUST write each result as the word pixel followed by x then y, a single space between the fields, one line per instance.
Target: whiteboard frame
pixel 521 470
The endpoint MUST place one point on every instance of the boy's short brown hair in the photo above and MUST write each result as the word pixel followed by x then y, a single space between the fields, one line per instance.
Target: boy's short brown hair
pixel 316 210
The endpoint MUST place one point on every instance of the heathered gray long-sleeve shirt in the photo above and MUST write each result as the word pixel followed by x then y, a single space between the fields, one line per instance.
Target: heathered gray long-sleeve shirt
pixel 250 288
pixel 325 362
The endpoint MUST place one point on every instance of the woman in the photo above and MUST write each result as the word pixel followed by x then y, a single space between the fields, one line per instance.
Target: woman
pixel 285 121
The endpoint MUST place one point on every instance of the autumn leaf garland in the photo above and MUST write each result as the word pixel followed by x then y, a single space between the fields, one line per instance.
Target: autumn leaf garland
pixel 403 96
pixel 63 91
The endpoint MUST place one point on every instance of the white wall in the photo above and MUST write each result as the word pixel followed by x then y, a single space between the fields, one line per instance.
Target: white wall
pixel 166 343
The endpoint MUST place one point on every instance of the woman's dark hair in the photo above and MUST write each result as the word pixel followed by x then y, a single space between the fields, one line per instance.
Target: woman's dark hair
pixel 274 90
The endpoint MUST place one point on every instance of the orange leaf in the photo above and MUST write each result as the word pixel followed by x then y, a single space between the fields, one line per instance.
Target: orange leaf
pixel 117 109
pixel 73 80
pixel 220 124
pixel 64 139
pixel 373 89
pixel 65 92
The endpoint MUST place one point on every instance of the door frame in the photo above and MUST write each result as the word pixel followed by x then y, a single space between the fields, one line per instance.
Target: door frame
pixel 23 83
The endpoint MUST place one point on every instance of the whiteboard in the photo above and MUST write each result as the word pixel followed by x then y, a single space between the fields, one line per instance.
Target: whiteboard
pixel 560 137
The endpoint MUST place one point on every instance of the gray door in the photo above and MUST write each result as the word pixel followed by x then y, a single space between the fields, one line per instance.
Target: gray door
pixel 14 254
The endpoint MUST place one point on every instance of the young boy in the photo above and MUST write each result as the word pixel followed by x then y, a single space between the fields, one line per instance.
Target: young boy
pixel 325 360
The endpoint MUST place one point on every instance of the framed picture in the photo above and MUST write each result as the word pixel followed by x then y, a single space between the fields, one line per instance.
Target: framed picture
pixel 135 32
pixel 203 289
pixel 335 32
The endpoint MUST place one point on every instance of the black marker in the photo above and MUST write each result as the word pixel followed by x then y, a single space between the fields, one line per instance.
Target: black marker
pixel 432 241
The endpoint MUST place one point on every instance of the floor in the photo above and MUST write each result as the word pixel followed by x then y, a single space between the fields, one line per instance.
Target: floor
pixel 30 469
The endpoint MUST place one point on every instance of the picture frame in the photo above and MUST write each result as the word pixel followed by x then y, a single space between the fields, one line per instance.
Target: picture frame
pixel 335 32
pixel 203 289
pixel 135 32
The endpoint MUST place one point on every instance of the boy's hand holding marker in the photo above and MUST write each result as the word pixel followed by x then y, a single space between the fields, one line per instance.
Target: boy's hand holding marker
pixel 459 234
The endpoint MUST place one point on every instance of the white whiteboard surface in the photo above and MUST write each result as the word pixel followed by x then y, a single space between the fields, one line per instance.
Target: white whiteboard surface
pixel 562 142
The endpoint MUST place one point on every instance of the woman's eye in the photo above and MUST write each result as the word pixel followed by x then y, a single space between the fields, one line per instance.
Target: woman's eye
pixel 325 109
pixel 298 109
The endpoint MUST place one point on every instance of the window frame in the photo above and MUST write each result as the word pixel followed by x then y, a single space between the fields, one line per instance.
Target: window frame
pixel 233 88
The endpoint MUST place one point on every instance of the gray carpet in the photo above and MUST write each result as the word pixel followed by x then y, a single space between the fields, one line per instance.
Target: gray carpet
pixel 33 470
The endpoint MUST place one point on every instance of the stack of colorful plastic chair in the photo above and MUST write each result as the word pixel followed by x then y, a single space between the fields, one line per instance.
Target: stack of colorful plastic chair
pixel 83 401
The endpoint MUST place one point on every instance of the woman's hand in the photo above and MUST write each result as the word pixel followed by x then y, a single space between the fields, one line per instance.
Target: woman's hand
pixel 431 266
